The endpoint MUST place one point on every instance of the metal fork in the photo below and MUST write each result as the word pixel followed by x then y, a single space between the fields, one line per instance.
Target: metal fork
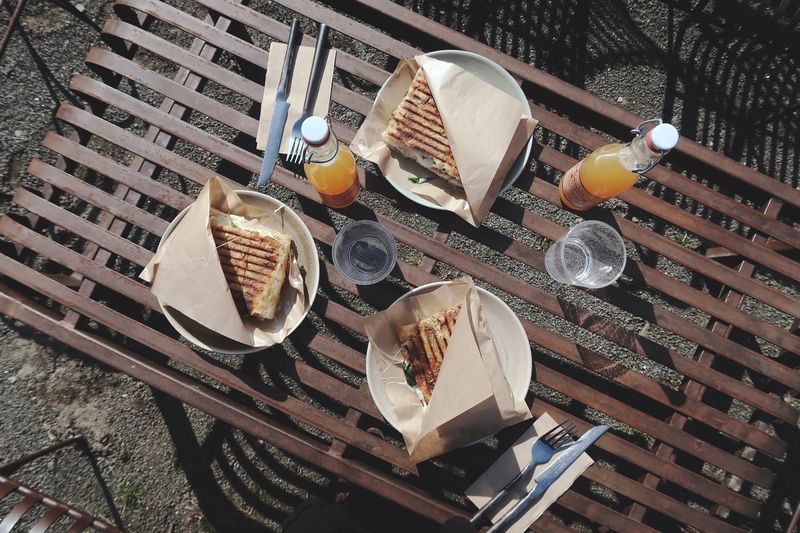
pixel 541 452
pixel 298 146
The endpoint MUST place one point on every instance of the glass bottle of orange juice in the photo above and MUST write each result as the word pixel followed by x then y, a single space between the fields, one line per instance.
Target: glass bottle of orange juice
pixel 329 164
pixel 614 168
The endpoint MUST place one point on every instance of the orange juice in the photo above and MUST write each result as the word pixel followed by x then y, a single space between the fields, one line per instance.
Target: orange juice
pixel 330 166
pixel 614 168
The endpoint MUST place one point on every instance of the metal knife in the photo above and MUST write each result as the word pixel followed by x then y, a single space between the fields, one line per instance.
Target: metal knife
pixel 281 109
pixel 546 478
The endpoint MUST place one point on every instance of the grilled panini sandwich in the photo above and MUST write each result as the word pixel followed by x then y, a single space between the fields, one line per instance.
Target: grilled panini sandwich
pixel 423 347
pixel 254 259
pixel 416 131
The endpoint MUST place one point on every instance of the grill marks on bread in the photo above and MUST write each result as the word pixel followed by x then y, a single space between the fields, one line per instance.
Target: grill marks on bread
pixel 424 345
pixel 416 131
pixel 254 265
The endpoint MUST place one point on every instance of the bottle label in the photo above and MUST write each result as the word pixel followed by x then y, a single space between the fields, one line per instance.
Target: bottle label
pixel 574 192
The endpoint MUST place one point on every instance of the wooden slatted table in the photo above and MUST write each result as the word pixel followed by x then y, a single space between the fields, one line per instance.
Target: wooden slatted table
pixel 691 443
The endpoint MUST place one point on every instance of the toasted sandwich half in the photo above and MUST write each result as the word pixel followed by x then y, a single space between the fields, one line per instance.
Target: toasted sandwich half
pixel 254 258
pixel 423 347
pixel 416 131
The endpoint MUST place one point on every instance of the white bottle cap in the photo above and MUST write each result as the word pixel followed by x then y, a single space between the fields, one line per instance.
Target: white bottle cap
pixel 662 138
pixel 315 130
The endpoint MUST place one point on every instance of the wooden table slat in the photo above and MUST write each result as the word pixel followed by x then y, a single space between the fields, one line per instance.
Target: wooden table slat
pixel 119 173
pixel 69 221
pixel 80 189
pixel 79 263
pixel 657 501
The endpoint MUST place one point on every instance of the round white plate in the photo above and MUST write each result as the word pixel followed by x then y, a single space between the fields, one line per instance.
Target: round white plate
pixel 495 75
pixel 509 338
pixel 307 260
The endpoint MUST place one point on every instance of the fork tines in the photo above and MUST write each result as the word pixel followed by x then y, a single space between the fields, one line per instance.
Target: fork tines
pixel 296 150
pixel 560 435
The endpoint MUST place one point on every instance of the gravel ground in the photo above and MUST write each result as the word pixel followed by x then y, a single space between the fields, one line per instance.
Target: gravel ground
pixel 155 464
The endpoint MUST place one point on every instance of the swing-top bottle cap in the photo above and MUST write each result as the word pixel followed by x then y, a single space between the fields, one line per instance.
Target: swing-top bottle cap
pixel 315 130
pixel 662 138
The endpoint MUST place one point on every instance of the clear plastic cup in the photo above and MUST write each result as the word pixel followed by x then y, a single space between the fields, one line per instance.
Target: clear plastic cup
pixel 364 252
pixel 591 254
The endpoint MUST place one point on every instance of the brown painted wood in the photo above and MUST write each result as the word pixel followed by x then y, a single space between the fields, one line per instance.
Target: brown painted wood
pixel 48 520
pixel 573 95
pixel 140 109
pixel 17 306
pixel 685 326
pixel 706 358
pixel 119 173
pixel 718 252
pixel 721 273
pixel 168 346
pixel 666 210
pixel 188 79
pixel 17 512
pixel 90 194
pixel 150 154
pixel 78 262
pixel 69 221
pixel 131 107
pixel 675 288
pixel 651 462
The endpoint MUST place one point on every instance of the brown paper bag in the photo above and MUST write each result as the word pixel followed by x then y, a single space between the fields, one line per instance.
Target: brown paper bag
pixel 472 398
pixel 486 129
pixel 186 273
pixel 510 464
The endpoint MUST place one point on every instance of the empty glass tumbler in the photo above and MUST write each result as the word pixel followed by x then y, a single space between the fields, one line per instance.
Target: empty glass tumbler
pixel 591 254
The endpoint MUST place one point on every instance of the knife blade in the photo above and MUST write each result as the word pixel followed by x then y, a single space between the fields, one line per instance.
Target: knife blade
pixel 281 110
pixel 546 478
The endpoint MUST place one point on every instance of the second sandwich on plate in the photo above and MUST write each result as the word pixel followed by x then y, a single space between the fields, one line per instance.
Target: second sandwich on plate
pixel 444 137
pixel 433 364
pixel 235 271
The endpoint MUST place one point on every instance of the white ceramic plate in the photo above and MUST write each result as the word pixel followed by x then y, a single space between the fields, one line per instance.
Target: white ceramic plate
pixel 493 74
pixel 509 337
pixel 307 259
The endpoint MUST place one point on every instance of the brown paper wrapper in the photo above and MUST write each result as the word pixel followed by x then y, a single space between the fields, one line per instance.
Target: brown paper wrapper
pixel 486 129
pixel 297 91
pixel 188 260
pixel 510 464
pixel 472 398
